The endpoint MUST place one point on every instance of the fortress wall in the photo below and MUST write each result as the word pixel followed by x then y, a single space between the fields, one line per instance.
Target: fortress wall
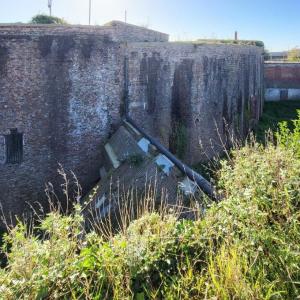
pixel 131 33
pixel 182 93
pixel 11 30
pixel 115 31
pixel 63 93
pixel 282 81
pixel 63 88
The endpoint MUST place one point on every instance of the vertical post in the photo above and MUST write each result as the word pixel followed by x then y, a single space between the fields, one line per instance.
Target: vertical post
pixel 50 7
pixel 90 11
pixel 126 100
pixel 125 16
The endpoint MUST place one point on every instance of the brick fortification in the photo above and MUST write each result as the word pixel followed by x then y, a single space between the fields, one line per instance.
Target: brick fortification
pixel 192 95
pixel 62 87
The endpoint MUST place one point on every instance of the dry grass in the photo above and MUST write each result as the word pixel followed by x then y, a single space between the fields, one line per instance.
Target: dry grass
pixel 245 247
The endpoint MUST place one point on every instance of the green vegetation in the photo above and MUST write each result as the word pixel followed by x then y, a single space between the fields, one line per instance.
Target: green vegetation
pixel 178 140
pixel 245 247
pixel 274 113
pixel 135 160
pixel 45 19
pixel 294 55
pixel 230 42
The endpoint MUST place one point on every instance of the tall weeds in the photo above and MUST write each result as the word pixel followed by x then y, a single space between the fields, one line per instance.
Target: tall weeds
pixel 245 247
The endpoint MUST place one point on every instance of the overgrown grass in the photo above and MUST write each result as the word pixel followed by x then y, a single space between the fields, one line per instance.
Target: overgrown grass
pixel 224 41
pixel 274 113
pixel 245 247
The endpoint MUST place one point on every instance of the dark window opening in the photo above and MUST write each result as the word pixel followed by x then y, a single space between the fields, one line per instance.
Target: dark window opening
pixel 284 94
pixel 14 147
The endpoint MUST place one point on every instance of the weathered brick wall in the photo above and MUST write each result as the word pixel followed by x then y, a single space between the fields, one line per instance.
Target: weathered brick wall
pixel 63 93
pixel 282 81
pixel 282 75
pixel 63 88
pixel 115 31
pixel 182 93
pixel 131 33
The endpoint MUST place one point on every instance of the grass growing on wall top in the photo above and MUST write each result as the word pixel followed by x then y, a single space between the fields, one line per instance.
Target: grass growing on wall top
pixel 225 42
pixel 232 42
pixel 245 247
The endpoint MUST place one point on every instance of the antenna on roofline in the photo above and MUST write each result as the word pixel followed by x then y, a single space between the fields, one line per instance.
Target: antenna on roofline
pixel 235 35
pixel 90 11
pixel 50 7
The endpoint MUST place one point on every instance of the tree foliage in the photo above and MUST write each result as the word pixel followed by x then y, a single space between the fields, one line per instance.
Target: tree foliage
pixel 294 54
pixel 45 19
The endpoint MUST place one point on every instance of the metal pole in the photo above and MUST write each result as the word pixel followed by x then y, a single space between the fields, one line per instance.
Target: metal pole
pixel 90 10
pixel 50 7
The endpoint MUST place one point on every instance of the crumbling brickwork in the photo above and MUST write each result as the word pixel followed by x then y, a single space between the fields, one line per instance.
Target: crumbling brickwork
pixel 62 91
pixel 193 96
pixel 62 87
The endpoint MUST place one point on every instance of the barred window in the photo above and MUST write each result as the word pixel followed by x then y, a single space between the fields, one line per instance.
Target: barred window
pixel 14 147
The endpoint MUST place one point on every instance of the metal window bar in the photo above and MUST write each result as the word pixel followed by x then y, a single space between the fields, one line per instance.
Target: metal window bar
pixel 14 147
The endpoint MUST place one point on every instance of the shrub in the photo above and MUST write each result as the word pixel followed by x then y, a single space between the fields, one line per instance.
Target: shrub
pixel 45 19
pixel 245 247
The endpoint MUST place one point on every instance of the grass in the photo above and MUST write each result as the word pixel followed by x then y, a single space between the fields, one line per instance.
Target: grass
pixel 274 113
pixel 225 42
pixel 231 42
pixel 245 247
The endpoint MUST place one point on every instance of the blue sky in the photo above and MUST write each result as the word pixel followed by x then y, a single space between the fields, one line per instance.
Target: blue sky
pixel 277 23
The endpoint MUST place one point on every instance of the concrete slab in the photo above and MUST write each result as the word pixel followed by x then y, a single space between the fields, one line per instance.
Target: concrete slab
pixel 124 144
pixel 112 155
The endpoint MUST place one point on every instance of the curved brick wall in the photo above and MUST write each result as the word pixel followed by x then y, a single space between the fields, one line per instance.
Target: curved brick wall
pixel 63 88
pixel 202 90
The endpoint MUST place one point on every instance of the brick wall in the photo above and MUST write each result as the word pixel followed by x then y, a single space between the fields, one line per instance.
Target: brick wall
pixel 130 33
pixel 282 81
pixel 194 88
pixel 282 75
pixel 63 93
pixel 115 30
pixel 63 88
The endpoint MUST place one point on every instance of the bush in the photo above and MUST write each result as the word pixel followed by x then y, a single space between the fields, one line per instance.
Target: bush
pixel 294 55
pixel 45 19
pixel 245 247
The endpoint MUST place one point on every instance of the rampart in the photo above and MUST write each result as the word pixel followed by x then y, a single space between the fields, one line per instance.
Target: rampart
pixel 115 31
pixel 193 96
pixel 62 88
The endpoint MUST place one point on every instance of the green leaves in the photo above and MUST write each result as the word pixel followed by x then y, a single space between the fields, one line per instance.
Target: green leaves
pixel 290 139
pixel 245 247
pixel 45 19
